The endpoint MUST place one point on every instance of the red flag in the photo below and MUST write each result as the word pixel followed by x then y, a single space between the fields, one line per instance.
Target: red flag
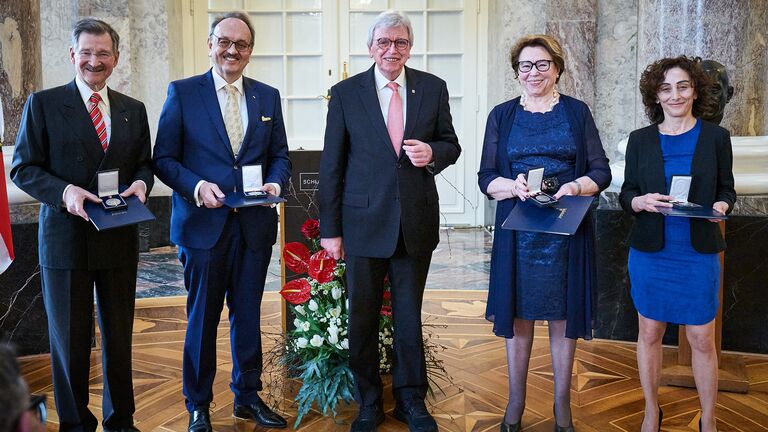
pixel 6 241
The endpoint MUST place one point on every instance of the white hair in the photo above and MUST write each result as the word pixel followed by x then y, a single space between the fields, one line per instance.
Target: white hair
pixel 390 19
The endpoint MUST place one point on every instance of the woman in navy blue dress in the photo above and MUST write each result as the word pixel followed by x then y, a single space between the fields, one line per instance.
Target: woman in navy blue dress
pixel 673 265
pixel 537 276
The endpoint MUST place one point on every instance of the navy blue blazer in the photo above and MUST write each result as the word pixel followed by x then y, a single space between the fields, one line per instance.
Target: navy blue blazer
pixel 712 172
pixel 192 145
pixel 582 272
pixel 367 192
pixel 57 145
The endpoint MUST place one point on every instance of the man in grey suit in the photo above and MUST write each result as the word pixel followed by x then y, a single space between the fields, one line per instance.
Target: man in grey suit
pixel 67 135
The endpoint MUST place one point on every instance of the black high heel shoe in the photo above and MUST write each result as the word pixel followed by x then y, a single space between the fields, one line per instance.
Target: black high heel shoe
pixel 558 428
pixel 510 427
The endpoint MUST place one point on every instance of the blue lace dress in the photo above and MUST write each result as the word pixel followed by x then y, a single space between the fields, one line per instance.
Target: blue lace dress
pixel 676 284
pixel 542 140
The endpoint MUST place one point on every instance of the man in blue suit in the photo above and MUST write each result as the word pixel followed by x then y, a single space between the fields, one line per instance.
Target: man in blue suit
pixel 211 126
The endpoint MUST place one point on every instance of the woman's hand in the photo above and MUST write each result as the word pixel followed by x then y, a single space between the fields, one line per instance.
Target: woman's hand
pixel 649 202
pixel 502 188
pixel 721 207
pixel 520 188
pixel 570 188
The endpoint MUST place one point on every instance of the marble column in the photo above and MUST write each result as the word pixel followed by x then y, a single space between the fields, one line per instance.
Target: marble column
pixel 20 66
pixel 733 32
pixel 574 24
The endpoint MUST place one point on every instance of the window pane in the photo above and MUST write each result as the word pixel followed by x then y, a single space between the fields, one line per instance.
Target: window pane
pixel 416 62
pixel 417 22
pixel 359 63
pixel 304 32
pixel 268 70
pixel 303 4
pixel 407 4
pixel 445 4
pixel 305 76
pixel 305 119
pixel 449 68
pixel 257 5
pixel 358 31
pixel 445 32
pixel 456 115
pixel 269 31
pixel 225 4
pixel 379 5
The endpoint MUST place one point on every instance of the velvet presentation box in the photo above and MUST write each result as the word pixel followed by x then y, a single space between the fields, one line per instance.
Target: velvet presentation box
pixel 562 218
pixel 132 213
pixel 239 200
pixel 535 178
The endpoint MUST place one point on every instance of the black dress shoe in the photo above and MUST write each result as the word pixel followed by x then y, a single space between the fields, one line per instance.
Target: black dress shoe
pixel 200 421
pixel 259 412
pixel 368 418
pixel 415 414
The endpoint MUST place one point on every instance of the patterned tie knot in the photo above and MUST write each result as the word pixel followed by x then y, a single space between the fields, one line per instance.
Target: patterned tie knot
pixel 95 98
pixel 231 90
pixel 393 85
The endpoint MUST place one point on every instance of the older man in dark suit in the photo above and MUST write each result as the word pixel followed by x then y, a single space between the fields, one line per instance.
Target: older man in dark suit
pixel 67 135
pixel 389 132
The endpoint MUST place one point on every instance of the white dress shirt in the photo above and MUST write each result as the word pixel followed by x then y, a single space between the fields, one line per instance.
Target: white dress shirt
pixel 385 94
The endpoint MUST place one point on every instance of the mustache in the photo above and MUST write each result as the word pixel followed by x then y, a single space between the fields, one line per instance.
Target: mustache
pixel 231 56
pixel 90 68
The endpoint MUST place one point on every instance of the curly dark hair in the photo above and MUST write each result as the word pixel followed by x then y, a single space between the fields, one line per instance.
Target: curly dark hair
pixel 652 78
pixel 547 42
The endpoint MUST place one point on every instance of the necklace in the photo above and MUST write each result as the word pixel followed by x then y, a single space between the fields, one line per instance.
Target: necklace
pixel 552 103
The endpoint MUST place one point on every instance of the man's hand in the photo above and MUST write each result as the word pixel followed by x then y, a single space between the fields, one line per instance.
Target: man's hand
pixel 334 246
pixel 269 188
pixel 721 207
pixel 74 198
pixel 137 188
pixel 420 153
pixel 210 194
pixel 649 202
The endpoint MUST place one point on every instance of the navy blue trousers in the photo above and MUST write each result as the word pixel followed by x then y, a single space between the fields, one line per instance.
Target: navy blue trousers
pixel 233 272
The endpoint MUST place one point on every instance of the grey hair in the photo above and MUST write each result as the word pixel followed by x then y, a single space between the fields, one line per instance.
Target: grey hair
pixel 237 15
pixel 95 27
pixel 14 397
pixel 390 19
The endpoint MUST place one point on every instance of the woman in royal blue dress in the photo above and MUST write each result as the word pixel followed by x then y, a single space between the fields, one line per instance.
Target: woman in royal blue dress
pixel 674 268
pixel 536 276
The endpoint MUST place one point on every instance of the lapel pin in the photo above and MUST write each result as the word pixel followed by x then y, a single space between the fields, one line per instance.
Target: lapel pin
pixel 126 119
pixel 265 119
pixel 253 97
pixel 413 91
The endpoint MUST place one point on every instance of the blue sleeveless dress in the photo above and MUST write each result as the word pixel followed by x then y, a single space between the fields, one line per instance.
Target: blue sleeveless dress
pixel 542 140
pixel 676 284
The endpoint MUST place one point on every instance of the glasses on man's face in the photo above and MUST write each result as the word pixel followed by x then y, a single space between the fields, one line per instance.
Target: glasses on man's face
pixel 385 43
pixel 100 55
pixel 37 406
pixel 665 90
pixel 224 44
pixel 527 66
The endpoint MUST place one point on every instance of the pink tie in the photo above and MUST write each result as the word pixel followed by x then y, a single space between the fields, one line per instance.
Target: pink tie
pixel 395 118
pixel 98 120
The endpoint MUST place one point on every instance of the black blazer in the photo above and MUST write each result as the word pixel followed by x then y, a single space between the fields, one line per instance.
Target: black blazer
pixel 712 172
pixel 366 191
pixel 57 145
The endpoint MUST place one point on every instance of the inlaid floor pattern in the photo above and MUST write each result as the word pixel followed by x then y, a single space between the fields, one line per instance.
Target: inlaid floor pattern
pixel 606 394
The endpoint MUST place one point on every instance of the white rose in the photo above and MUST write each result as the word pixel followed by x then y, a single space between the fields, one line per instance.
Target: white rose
pixel 300 309
pixel 345 343
pixel 313 305
pixel 302 342
pixel 316 341
pixel 297 323
pixel 336 293
pixel 305 326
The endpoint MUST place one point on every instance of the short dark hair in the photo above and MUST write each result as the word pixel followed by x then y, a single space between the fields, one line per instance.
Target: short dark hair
pixel 652 78
pixel 95 27
pixel 237 15
pixel 14 396
pixel 547 42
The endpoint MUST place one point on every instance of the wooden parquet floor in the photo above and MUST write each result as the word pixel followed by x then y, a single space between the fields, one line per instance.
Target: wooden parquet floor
pixel 606 394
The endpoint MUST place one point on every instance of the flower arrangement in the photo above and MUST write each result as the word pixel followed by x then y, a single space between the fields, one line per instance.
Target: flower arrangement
pixel 316 351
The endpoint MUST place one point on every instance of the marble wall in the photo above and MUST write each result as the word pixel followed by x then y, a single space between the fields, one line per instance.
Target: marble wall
pixel 20 68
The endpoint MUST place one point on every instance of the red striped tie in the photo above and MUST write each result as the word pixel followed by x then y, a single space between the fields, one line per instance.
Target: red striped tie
pixel 98 120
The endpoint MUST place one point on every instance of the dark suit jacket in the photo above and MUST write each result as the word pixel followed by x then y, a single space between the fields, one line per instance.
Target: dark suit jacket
pixel 57 145
pixel 367 192
pixel 192 145
pixel 712 172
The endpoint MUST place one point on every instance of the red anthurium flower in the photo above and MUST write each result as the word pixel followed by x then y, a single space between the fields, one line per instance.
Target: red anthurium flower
pixel 387 295
pixel 311 229
pixel 321 266
pixel 296 291
pixel 386 311
pixel 296 256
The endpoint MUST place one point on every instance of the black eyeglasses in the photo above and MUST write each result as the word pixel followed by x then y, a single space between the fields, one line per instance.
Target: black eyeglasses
pixel 400 44
pixel 226 43
pixel 37 405
pixel 541 65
